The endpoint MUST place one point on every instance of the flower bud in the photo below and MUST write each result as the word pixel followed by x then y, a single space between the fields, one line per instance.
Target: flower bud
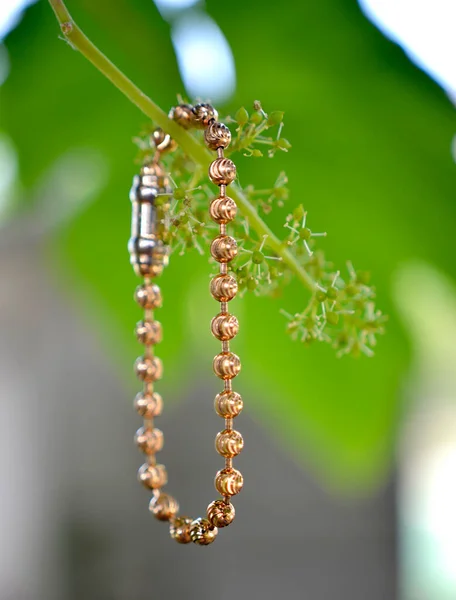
pixel 275 118
pixel 242 116
pixel 283 144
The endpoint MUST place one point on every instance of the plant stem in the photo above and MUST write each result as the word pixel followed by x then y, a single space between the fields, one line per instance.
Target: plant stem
pixel 195 150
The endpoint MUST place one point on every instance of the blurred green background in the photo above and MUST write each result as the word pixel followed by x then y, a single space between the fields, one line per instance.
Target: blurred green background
pixel 371 162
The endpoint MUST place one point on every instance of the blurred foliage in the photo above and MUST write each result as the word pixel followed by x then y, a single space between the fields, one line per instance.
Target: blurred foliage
pixel 371 162
pixel 340 308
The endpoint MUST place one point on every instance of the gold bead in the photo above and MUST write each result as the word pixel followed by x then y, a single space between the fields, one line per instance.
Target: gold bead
pixel 149 369
pixel 220 513
pixel 164 508
pixel 224 326
pixel 203 113
pixel 153 476
pixel 224 248
pixel 179 530
pixel 163 141
pixel 229 482
pixel 149 406
pixel 217 135
pixel 224 288
pixel 202 532
pixel 149 440
pixel 222 171
pixel 183 115
pixel 148 296
pixel 229 443
pixel 228 404
pixel 148 257
pixel 226 365
pixel 223 210
pixel 154 175
pixel 148 332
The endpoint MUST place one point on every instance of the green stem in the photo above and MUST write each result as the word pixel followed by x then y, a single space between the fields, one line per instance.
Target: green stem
pixel 196 151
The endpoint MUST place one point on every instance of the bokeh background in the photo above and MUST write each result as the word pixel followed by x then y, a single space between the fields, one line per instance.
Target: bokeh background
pixel 349 464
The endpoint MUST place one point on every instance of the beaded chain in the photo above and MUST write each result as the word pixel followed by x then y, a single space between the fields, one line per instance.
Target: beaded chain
pixel 149 255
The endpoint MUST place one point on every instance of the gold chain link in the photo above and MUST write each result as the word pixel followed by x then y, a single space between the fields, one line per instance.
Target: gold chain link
pixel 148 257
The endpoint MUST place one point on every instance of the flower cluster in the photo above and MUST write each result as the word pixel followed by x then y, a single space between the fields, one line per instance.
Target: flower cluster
pixel 252 138
pixel 341 313
pixel 256 270
pixel 341 307
pixel 269 198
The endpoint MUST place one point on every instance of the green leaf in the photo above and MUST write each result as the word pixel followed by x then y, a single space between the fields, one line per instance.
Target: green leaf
pixel 370 162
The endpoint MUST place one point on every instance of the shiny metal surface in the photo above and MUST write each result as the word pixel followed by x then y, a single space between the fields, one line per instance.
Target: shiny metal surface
pixel 148 253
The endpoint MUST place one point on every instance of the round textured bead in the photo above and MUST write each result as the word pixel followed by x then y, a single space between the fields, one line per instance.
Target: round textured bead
pixel 224 288
pixel 226 365
pixel 148 296
pixel 154 175
pixel 228 404
pixel 153 476
pixel 202 532
pixel 203 113
pixel 163 141
pixel 179 529
pixel 224 248
pixel 223 210
pixel 229 443
pixel 148 332
pixel 149 406
pixel 164 508
pixel 229 482
pixel 217 135
pixel 224 326
pixel 149 369
pixel 183 115
pixel 149 440
pixel 220 513
pixel 222 171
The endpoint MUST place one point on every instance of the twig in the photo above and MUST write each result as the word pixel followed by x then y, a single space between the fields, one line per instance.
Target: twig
pixel 196 151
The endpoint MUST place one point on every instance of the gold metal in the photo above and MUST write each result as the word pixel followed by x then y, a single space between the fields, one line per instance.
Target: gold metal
pixel 224 287
pixel 183 115
pixel 229 443
pixel 224 326
pixel 148 296
pixel 229 482
pixel 203 532
pixel 149 440
pixel 164 507
pixel 203 114
pixel 222 171
pixel 228 404
pixel 226 365
pixel 163 141
pixel 220 513
pixel 149 369
pixel 224 248
pixel 149 332
pixel 223 210
pixel 153 476
pixel 179 529
pixel 149 255
pixel 149 405
pixel 217 135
